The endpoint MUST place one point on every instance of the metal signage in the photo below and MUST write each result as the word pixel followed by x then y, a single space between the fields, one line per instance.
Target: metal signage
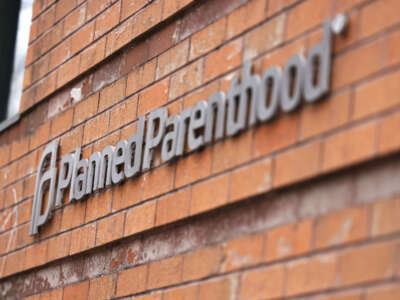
pixel 249 100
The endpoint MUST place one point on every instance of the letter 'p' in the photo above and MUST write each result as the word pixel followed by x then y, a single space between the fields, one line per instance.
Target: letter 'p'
pixel 45 180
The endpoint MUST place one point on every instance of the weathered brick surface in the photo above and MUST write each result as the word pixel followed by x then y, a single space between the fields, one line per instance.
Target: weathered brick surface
pixel 303 207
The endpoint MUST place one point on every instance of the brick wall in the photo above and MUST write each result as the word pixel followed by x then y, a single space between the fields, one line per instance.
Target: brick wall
pixel 304 207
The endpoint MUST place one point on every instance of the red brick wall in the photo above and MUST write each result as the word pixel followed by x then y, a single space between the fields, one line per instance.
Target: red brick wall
pixel 304 207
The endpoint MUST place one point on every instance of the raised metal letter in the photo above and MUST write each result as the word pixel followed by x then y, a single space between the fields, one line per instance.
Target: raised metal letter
pixel 168 149
pixel 197 121
pixel 64 177
pixel 270 86
pixel 291 100
pixel 44 180
pixel 134 150
pixel 217 100
pixel 152 139
pixel 117 175
pixel 316 88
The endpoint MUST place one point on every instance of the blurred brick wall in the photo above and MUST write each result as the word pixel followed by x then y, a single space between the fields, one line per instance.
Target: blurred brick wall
pixel 305 207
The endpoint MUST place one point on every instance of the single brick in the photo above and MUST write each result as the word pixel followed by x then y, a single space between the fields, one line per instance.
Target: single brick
pixel 367 264
pixel 263 284
pixel 58 247
pixel 73 215
pixel 92 55
pixel 297 164
pixel 201 263
pixel 182 293
pixel 36 255
pixel 209 194
pixel 52 295
pixel 71 140
pixel 60 54
pixel 123 113
pixel 130 7
pixel 82 38
pixel 393 45
pixel 325 116
pixel 376 96
pixel 78 291
pixel 98 205
pixel 350 146
pixel 153 97
pixel 276 136
pixel 387 292
pixel 207 39
pixel 112 94
pixel 311 274
pixel 318 12
pixel 245 17
pixel 164 38
pixel 278 5
pixel 40 136
pixel 173 6
pixel 251 180
pixel 201 94
pixel 378 16
pixel 384 217
pixel 193 167
pixel 232 152
pixel 74 20
pixel 172 59
pixel 101 288
pixel 158 181
pixel 68 71
pixel 107 20
pixel 147 18
pixel 110 229
pixel 357 64
pixel 221 289
pixel 86 108
pixel 389 140
pixel 342 227
pixel 120 36
pixel 173 207
pixel 265 37
pixel 96 128
pixel 243 252
pixel 19 147
pixel 125 283
pixel 141 77
pixel 140 218
pixel 186 79
pixel 165 272
pixel 135 56
pixel 344 5
pixel 94 7
pixel 289 240
pixel 63 7
pixel 224 59
pixel 127 194
pixel 83 239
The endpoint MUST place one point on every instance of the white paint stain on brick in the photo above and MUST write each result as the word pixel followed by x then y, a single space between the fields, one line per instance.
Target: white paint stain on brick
pixel 234 284
pixel 235 48
pixel 284 248
pixel 76 94
pixel 12 235
pixel 6 287
pixel 343 232
pixel 237 259
pixel 59 103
